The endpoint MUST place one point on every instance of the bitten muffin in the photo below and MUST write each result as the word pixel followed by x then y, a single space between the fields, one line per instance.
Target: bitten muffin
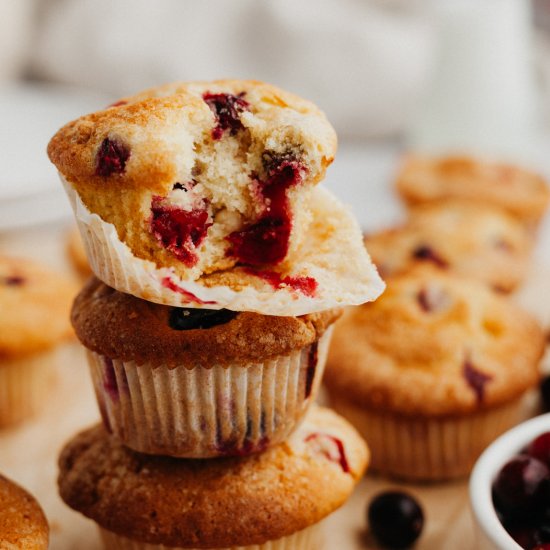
pixel 199 383
pixel 34 319
pixel 77 254
pixel 432 372
pixel 23 525
pixel 522 193
pixel 270 501
pixel 178 186
pixel 471 239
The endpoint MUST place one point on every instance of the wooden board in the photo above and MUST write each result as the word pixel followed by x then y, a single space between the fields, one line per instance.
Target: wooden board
pixel 29 454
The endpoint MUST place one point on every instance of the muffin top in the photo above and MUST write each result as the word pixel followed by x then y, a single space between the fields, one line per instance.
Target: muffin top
pixel 472 239
pixel 523 193
pixel 215 503
pixel 121 326
pixel 434 344
pixel 34 307
pixel 23 525
pixel 200 176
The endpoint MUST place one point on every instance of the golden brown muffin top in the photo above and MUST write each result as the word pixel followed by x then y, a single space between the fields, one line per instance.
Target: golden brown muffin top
pixel 521 192
pixel 472 239
pixel 23 525
pixel 434 344
pixel 34 307
pixel 214 503
pixel 121 326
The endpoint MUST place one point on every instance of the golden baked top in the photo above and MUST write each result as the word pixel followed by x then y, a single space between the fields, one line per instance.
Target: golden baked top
pixel 23 525
pixel 214 503
pixel 200 176
pixel 473 239
pixel 434 344
pixel 34 307
pixel 121 326
pixel 521 192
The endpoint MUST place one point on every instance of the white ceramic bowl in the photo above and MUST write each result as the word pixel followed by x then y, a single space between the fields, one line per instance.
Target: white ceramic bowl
pixel 491 533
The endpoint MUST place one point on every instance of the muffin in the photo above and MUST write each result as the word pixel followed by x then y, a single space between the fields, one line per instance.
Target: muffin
pixel 471 239
pixel 34 309
pixel 202 194
pixel 196 382
pixel 432 372
pixel 522 193
pixel 77 254
pixel 271 501
pixel 23 525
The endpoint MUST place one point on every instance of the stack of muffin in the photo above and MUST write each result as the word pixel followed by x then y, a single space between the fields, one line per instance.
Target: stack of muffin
pixel 437 368
pixel 220 271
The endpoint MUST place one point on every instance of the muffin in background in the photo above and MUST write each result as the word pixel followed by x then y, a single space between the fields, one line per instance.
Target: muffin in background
pixel 274 500
pixel 522 193
pixel 432 372
pixel 199 383
pixel 472 239
pixel 23 525
pixel 77 254
pixel 34 319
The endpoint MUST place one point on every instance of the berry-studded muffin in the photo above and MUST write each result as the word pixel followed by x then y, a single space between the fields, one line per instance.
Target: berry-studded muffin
pixel 202 193
pixel 34 309
pixel 432 372
pixel 197 382
pixel 77 254
pixel 23 525
pixel 522 193
pixel 468 238
pixel 275 500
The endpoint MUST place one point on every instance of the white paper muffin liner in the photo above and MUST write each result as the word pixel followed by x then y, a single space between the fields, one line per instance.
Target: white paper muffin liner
pixel 427 449
pixel 25 384
pixel 310 538
pixel 346 279
pixel 203 412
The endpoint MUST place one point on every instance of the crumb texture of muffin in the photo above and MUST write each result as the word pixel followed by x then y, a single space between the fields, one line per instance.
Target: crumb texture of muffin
pixel 34 307
pixel 200 176
pixel 23 525
pixel 434 345
pixel 472 239
pixel 521 192
pixel 217 503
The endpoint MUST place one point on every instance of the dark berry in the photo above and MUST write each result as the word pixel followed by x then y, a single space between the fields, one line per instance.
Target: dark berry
pixel 521 487
pixel 179 231
pixel 228 109
pixel 539 448
pixel 541 547
pixel 524 535
pixel 428 254
pixel 330 447
pixel 187 318
pixel 13 280
pixel 111 158
pixel 475 379
pixel 545 393
pixel 266 241
pixel 395 519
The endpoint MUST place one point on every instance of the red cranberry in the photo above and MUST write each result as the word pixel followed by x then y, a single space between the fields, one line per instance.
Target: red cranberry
pixel 428 254
pixel 330 447
pixel 12 280
pixel 228 109
pixel 186 318
pixel 395 519
pixel 520 487
pixel 545 393
pixel 475 379
pixel 111 157
pixel 539 448
pixel 266 241
pixel 179 231
pixel 305 285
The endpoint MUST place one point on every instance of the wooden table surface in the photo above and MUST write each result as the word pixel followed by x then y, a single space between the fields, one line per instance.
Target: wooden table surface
pixel 28 454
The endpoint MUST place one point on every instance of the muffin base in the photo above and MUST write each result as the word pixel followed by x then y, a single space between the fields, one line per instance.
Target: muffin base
pixel 196 412
pixel 427 449
pixel 24 386
pixel 310 538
